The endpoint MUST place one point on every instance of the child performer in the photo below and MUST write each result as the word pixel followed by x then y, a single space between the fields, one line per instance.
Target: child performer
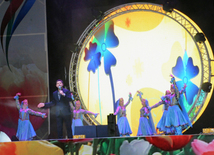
pixel 122 121
pixel 161 124
pixel 78 115
pixel 25 129
pixel 146 125
pixel 176 119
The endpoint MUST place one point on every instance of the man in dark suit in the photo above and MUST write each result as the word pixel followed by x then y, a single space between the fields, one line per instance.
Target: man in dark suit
pixel 61 99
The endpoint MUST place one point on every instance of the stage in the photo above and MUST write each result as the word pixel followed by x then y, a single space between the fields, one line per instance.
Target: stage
pixel 103 51
pixel 153 145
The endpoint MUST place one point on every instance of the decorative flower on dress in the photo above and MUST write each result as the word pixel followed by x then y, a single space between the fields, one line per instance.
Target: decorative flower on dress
pixel 135 147
pixel 185 71
pixel 170 143
pixel 202 148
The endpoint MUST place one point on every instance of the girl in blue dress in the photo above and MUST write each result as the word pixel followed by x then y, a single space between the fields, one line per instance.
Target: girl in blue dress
pixel 25 129
pixel 177 118
pixel 161 124
pixel 78 115
pixel 122 121
pixel 146 125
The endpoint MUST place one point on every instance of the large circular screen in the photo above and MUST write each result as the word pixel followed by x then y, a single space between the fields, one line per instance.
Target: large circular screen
pixel 135 47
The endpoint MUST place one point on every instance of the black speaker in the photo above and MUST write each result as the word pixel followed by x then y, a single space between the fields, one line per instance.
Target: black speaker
pixel 112 126
pixel 206 86
pixel 117 131
pixel 89 131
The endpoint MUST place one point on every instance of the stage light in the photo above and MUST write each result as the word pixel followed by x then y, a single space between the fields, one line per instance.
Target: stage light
pixel 206 87
pixel 168 7
pixel 199 37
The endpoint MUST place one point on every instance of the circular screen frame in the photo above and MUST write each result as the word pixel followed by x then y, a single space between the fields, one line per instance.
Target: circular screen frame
pixel 203 48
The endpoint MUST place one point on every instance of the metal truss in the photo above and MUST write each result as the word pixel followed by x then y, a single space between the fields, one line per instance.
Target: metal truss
pixel 136 7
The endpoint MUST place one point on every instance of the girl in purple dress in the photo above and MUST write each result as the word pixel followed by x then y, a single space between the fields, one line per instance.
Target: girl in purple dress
pixel 25 129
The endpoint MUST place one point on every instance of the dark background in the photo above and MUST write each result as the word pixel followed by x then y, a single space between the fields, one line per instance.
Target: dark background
pixel 67 19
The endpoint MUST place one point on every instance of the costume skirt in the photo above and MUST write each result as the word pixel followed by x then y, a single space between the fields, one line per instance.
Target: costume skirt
pixel 175 118
pixel 144 127
pixel 25 130
pixel 123 126
pixel 76 122
pixel 161 124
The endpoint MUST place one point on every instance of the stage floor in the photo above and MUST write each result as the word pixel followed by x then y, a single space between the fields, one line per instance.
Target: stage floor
pixel 151 145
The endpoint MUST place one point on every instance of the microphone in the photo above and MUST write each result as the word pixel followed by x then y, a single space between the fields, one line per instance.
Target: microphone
pixel 60 88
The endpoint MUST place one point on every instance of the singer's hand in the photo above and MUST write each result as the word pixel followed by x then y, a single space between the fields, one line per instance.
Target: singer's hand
pixel 61 92
pixel 40 105
pixel 45 116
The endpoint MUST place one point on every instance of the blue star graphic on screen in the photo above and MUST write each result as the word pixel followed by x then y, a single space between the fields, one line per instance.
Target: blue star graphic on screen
pixel 185 71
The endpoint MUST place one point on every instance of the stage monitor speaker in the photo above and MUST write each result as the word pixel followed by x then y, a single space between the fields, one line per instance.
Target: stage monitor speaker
pixel 117 130
pixel 112 126
pixel 89 131
pixel 102 130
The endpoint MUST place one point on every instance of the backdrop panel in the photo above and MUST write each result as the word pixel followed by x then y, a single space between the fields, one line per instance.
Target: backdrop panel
pixel 23 62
